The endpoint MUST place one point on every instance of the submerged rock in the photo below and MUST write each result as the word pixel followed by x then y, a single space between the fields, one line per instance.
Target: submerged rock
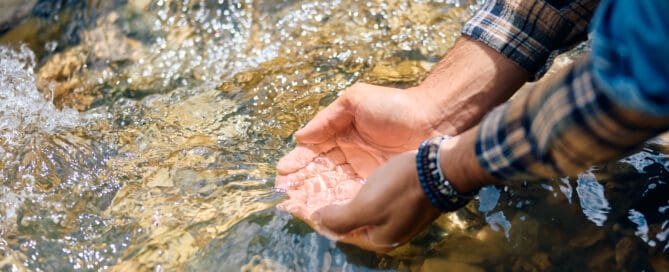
pixel 660 263
pixel 407 71
pixel 13 11
pixel 603 259
pixel 450 265
pixel 627 253
pixel 76 76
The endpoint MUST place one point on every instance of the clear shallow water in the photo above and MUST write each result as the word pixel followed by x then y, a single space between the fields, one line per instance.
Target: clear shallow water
pixel 142 135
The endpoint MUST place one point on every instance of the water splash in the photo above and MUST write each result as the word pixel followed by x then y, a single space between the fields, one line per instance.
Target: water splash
pixel 196 100
pixel 25 116
pixel 24 110
pixel 45 168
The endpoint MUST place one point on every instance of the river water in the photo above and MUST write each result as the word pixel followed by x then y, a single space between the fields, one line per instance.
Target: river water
pixel 143 134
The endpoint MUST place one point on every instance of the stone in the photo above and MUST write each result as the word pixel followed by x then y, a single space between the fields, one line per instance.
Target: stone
pixel 161 178
pixel 602 259
pixel 525 234
pixel 471 250
pixel 660 263
pixel 541 260
pixel 139 4
pixel 107 41
pixel 589 236
pixel 58 72
pixel 627 253
pixel 405 71
pixel 259 263
pixel 537 262
pixel 468 258
pixel 437 264
pixel 13 11
pixel 522 264
pixel 73 77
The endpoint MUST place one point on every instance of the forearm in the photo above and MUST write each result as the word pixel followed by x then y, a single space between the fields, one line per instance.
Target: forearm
pixel 598 109
pixel 559 128
pixel 460 165
pixel 503 45
pixel 468 82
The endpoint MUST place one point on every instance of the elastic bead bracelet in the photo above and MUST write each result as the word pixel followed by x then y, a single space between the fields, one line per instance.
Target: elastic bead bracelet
pixel 437 188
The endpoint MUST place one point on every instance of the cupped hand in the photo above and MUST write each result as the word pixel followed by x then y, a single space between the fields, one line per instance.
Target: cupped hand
pixel 389 209
pixel 348 140
pixel 368 124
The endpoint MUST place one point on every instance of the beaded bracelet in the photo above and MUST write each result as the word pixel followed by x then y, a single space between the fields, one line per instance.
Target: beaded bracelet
pixel 437 189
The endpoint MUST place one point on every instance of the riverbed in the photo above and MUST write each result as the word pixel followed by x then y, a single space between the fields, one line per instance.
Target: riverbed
pixel 143 135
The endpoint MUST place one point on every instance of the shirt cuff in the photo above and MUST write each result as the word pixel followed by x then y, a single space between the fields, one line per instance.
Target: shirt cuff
pixel 530 32
pixel 560 128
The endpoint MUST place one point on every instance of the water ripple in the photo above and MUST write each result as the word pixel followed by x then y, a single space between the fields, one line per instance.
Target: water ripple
pixel 594 204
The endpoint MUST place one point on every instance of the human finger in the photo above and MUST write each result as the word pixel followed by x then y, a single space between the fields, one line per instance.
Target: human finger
pixel 301 156
pixel 342 219
pixel 336 117
pixel 290 181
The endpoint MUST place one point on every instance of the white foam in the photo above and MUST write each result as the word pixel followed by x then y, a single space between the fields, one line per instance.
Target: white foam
pixel 23 109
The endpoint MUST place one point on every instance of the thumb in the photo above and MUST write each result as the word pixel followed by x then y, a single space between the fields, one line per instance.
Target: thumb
pixel 342 219
pixel 325 125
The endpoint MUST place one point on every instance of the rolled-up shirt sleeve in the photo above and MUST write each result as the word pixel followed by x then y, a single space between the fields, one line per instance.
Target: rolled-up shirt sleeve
pixel 599 108
pixel 559 128
pixel 531 32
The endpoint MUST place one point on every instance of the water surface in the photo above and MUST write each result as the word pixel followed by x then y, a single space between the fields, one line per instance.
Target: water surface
pixel 142 135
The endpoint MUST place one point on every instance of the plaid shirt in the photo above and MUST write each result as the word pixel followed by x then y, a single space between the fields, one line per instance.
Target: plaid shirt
pixel 533 32
pixel 568 123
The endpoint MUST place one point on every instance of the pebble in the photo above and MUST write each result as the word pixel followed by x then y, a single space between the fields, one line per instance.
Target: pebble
pixel 448 265
pixel 602 260
pixel 12 11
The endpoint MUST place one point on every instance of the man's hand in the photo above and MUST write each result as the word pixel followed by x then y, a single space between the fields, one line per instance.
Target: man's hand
pixel 391 207
pixel 368 124
pixel 349 139
pixel 388 211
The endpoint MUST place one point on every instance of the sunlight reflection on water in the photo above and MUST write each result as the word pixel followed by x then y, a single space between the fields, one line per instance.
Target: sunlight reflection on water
pixel 142 135
pixel 592 199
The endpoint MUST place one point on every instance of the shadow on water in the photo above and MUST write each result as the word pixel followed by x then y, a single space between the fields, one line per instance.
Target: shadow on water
pixel 142 135
pixel 275 241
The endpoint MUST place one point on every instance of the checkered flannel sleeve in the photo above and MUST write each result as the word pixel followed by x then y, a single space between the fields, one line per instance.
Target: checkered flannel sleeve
pixel 531 32
pixel 561 128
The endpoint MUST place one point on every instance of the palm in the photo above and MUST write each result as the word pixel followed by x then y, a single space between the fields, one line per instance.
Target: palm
pixel 348 140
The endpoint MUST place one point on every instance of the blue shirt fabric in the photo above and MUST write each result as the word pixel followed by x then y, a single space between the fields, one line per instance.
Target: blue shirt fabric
pixel 599 108
pixel 630 53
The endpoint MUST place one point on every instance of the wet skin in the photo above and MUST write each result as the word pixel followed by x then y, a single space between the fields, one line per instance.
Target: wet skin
pixel 353 140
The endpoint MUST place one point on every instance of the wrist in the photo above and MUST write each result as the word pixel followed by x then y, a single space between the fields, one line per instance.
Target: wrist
pixel 468 82
pixel 459 164
pixel 437 189
pixel 453 110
